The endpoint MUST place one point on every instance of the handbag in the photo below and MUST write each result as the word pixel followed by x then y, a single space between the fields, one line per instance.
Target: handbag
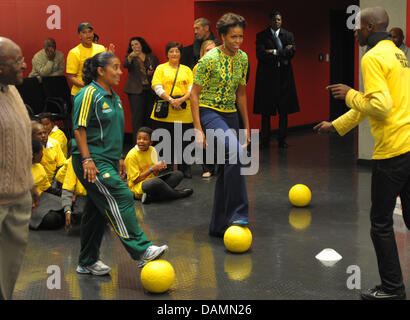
pixel 161 107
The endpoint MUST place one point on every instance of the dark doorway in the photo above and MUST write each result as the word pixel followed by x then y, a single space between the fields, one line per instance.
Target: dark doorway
pixel 342 58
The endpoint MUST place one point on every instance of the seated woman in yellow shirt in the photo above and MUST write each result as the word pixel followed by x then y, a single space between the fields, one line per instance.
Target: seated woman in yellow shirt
pixel 178 96
pixel 53 131
pixel 144 172
pixel 49 214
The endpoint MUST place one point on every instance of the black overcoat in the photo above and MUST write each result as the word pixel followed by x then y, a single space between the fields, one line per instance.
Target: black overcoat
pixel 275 84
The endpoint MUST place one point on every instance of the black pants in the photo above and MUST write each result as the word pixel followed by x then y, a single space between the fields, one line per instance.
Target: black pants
pixel 266 129
pixel 141 108
pixel 163 187
pixel 390 178
pixel 52 220
pixel 170 127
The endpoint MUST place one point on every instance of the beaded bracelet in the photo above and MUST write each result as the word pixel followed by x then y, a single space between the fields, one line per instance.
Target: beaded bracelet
pixel 86 160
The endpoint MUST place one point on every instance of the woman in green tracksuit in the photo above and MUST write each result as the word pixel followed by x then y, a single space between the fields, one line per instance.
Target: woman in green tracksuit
pixel 98 124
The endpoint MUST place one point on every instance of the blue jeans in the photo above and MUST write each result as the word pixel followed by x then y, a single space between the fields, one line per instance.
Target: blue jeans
pixel 230 199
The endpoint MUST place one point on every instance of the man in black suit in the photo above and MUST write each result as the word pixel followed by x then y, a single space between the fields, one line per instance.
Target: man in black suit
pixel 275 90
pixel 202 29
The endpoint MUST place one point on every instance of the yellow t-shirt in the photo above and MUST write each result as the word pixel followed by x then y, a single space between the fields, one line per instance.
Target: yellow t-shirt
pixel 386 101
pixel 40 178
pixel 71 181
pixel 136 162
pixel 60 137
pixel 52 158
pixel 164 74
pixel 60 175
pixel 76 58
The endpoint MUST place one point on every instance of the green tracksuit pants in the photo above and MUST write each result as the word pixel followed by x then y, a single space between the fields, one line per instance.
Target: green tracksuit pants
pixel 108 199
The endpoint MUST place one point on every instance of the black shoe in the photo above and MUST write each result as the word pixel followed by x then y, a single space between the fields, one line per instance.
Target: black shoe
pixel 186 192
pixel 378 293
pixel 145 199
pixel 283 145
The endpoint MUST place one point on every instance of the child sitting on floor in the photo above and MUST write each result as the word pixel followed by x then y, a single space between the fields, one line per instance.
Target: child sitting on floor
pixel 53 131
pixel 49 214
pixel 144 175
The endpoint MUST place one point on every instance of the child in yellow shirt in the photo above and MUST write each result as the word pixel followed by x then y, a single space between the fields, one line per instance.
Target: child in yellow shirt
pixel 144 172
pixel 74 195
pixel 49 214
pixel 39 174
pixel 53 156
pixel 53 131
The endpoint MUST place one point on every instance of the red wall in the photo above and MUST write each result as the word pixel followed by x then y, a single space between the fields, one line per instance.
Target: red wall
pixel 24 21
pixel 408 24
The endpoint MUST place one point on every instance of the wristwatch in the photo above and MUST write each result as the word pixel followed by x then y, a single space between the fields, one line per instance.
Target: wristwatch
pixel 68 212
pixel 170 98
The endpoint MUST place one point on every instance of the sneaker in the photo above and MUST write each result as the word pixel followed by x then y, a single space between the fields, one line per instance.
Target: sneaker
pixel 206 174
pixel 98 269
pixel 377 293
pixel 152 253
pixel 186 192
pixel 241 223
pixel 145 199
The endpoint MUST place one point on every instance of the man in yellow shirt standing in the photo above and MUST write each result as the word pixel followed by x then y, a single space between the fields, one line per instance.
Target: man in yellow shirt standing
pixel 386 103
pixel 76 56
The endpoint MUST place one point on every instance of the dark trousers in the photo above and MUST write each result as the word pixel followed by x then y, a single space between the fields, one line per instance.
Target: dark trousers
pixel 231 198
pixel 52 220
pixel 141 108
pixel 169 126
pixel 162 187
pixel 390 178
pixel 266 128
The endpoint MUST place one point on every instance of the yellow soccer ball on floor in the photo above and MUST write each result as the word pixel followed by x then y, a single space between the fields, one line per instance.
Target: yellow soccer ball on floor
pixel 300 195
pixel 237 239
pixel 157 276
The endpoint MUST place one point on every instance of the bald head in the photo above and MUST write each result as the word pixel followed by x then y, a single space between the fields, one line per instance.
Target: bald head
pixel 372 20
pixel 11 62
pixel 7 49
pixel 376 17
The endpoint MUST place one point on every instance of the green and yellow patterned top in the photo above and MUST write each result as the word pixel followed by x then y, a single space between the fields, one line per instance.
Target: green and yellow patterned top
pixel 219 75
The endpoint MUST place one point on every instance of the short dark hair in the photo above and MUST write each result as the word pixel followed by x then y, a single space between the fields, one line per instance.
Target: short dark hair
pixel 229 20
pixel 46 115
pixel 146 130
pixel 204 22
pixel 144 45
pixel 91 65
pixel 275 13
pixel 36 145
pixel 173 44
pixel 50 42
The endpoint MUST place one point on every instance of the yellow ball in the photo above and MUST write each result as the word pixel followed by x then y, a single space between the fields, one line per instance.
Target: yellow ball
pixel 237 239
pixel 300 195
pixel 157 276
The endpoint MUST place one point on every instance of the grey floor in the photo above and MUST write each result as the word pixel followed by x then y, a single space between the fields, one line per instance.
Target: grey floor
pixel 281 263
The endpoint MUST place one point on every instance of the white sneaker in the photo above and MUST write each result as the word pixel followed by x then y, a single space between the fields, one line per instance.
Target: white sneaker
pixel 152 253
pixel 98 269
